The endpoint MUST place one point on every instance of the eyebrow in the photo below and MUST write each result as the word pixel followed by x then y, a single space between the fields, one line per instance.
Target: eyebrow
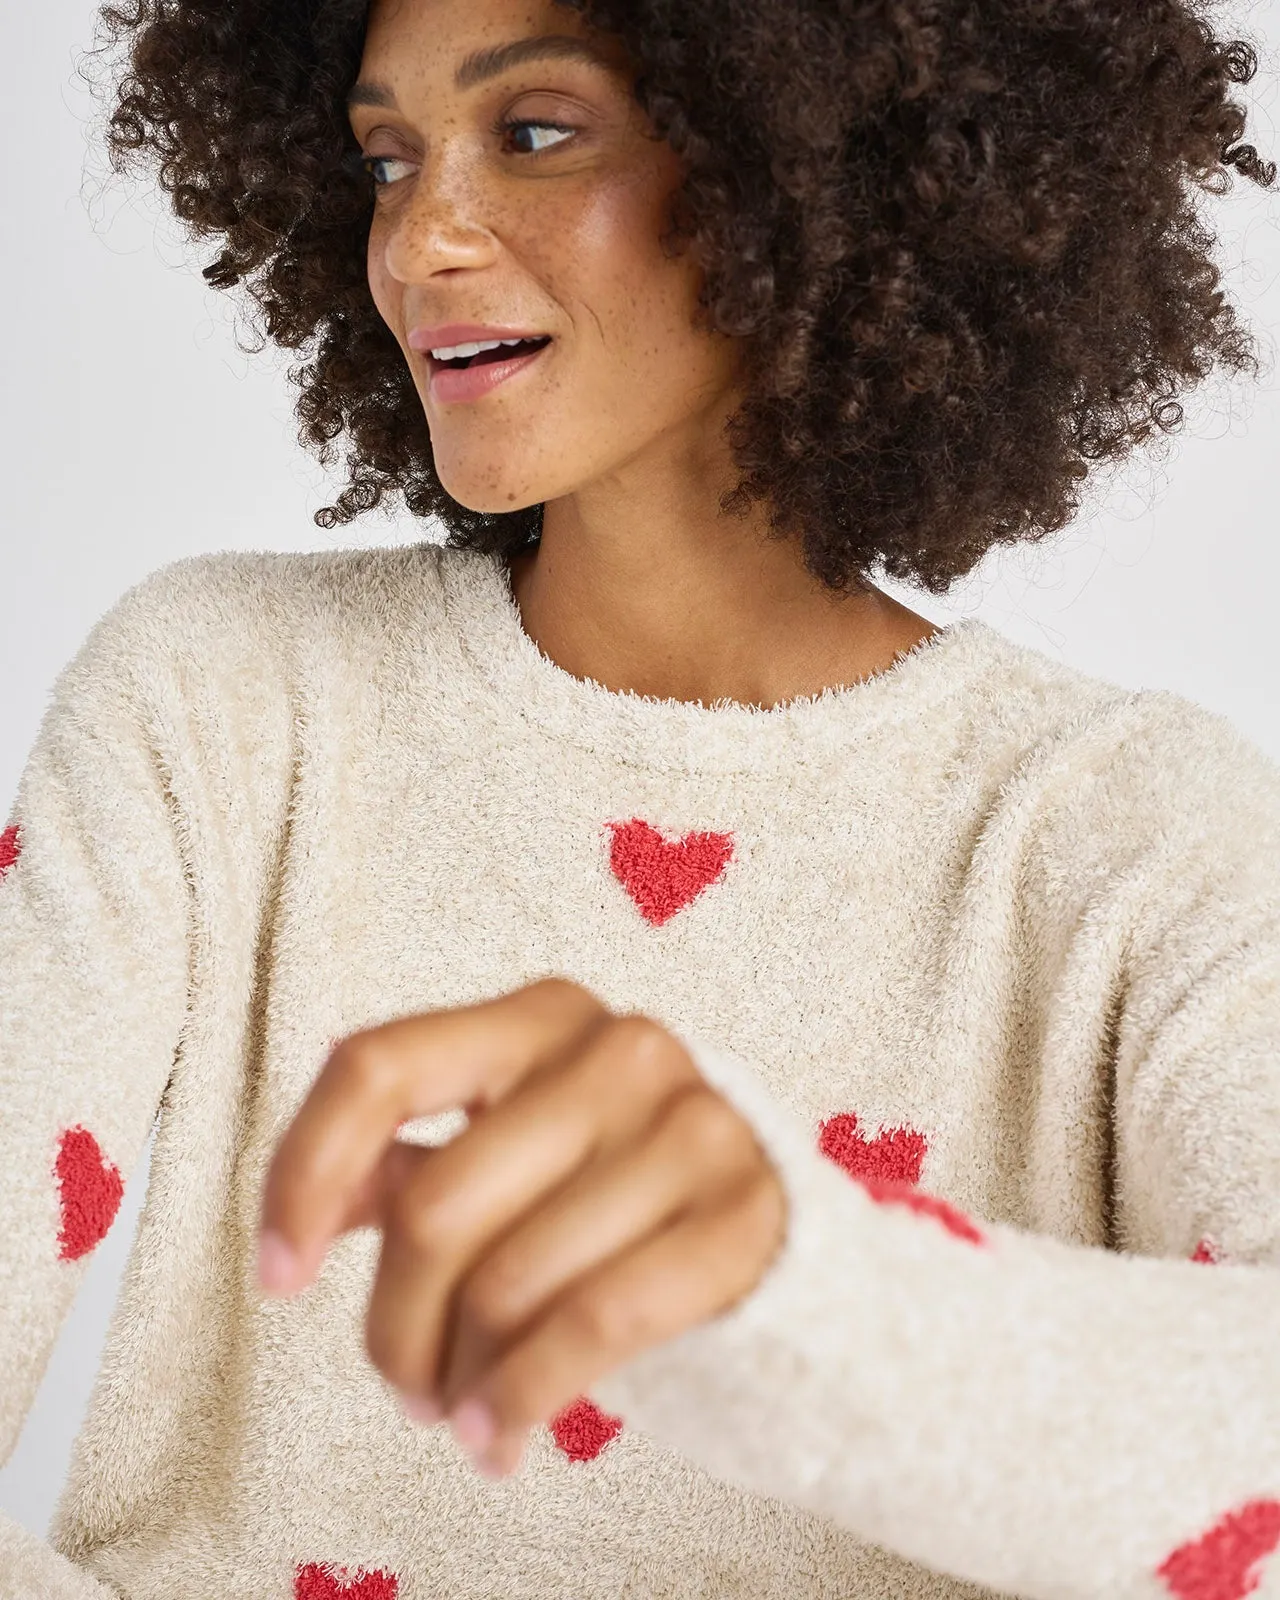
pixel 481 65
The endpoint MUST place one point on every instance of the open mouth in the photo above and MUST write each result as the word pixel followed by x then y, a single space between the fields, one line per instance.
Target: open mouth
pixel 503 352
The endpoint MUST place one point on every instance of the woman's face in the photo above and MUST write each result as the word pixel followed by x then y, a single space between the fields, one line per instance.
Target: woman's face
pixel 552 227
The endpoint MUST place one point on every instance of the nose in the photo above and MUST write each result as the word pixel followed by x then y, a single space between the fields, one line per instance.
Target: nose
pixel 439 225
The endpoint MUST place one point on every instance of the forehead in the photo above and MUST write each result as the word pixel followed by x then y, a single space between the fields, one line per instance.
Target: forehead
pixel 420 31
pixel 415 48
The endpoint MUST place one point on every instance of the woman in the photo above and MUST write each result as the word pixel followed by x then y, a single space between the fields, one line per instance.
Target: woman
pixel 851 1038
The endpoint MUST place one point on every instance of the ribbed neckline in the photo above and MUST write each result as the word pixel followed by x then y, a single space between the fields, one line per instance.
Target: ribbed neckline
pixel 678 735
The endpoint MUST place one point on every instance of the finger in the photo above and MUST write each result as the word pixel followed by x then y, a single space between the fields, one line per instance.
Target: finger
pixel 696 1152
pixel 368 1206
pixel 661 1287
pixel 487 1179
pixel 397 1166
pixel 407 1068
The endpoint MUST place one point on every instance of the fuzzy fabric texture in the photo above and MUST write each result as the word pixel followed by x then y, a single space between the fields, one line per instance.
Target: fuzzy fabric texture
pixel 986 949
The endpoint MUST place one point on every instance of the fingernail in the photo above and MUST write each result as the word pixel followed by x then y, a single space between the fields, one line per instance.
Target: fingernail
pixel 421 1410
pixel 473 1426
pixel 277 1263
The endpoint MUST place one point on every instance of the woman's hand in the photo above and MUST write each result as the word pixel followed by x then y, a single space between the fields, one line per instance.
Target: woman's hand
pixel 603 1199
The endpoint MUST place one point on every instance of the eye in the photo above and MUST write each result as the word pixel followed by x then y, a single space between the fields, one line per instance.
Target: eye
pixel 357 163
pixel 366 164
pixel 516 124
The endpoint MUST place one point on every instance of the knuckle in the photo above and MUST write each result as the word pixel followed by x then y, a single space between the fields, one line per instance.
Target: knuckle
pixel 565 1000
pixel 490 1301
pixel 560 995
pixel 555 983
pixel 642 1049
pixel 604 1320
pixel 368 1064
pixel 708 1128
pixel 634 1031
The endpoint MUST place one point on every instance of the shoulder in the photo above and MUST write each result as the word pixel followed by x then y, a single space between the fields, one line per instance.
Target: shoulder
pixel 251 589
pixel 1164 810
pixel 1066 734
pixel 1087 781
pixel 1163 770
pixel 247 609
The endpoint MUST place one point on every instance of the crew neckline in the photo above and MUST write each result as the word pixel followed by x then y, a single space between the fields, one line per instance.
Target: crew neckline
pixel 681 735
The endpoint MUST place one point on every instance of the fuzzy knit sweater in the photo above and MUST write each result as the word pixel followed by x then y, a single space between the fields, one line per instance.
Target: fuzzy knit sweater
pixel 986 949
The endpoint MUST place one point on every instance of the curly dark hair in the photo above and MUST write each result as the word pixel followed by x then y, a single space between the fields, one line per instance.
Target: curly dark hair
pixel 962 241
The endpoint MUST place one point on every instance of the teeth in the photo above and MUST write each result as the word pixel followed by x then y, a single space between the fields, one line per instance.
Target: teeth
pixel 454 351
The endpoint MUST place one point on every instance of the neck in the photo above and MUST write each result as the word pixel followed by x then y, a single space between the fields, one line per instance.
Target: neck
pixel 697 612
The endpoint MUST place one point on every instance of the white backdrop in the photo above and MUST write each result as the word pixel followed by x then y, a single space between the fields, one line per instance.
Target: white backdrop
pixel 135 432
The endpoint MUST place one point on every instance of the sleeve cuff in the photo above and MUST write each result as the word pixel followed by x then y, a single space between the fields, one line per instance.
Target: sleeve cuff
pixel 697 1392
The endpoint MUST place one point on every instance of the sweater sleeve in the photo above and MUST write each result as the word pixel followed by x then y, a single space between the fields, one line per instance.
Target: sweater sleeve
pixel 1046 1419
pixel 93 989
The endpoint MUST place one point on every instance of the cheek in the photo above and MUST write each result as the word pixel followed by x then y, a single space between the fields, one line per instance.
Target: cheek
pixel 629 302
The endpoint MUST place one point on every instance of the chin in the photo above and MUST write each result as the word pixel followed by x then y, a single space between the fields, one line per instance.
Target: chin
pixel 490 497
pixel 485 485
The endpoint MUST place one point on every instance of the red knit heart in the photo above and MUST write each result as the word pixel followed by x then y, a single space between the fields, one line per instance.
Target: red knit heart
pixel 660 876
pixel 1206 1250
pixel 10 847
pixel 91 1193
pixel 1220 1565
pixel 312 1582
pixel 887 1167
pixel 895 1156
pixel 582 1430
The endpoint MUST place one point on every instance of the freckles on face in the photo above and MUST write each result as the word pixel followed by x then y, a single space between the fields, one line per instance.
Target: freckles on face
pixel 472 226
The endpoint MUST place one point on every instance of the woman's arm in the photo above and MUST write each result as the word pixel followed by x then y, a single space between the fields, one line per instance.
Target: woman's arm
pixel 93 995
pixel 1049 1420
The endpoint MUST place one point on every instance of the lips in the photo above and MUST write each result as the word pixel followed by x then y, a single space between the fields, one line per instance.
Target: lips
pixel 449 384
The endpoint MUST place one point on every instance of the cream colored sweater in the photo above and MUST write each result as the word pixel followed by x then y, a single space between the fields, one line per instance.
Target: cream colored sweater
pixel 986 949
